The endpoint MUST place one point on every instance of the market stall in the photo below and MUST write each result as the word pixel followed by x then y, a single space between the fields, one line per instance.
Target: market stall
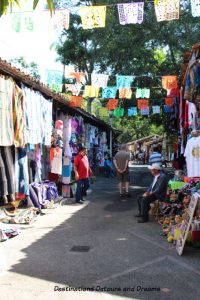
pixel 39 136
pixel 180 214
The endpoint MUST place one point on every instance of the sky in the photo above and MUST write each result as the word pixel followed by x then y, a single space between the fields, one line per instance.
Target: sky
pixel 33 46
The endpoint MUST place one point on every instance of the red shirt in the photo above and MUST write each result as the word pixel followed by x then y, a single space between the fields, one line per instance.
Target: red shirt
pixel 82 165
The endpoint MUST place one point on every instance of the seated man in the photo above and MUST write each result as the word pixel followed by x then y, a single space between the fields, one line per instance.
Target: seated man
pixel 156 191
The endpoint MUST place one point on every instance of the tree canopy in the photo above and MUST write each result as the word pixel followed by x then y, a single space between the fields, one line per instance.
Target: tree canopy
pixel 148 51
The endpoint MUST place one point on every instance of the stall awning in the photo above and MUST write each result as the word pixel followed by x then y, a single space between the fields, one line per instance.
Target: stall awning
pixel 19 76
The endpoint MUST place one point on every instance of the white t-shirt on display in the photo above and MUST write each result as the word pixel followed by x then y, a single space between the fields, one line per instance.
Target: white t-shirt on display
pixel 192 154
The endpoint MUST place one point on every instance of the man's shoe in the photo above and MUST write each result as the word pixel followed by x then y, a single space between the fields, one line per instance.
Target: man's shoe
pixel 79 202
pixel 143 220
pixel 138 216
pixel 127 195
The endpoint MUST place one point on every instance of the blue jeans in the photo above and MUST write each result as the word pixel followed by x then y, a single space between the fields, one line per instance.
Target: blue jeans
pixel 82 186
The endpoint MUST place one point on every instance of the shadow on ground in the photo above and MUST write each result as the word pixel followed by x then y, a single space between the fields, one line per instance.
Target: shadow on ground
pixel 122 254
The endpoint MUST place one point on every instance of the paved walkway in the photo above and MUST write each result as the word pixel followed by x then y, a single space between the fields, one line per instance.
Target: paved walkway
pixel 124 257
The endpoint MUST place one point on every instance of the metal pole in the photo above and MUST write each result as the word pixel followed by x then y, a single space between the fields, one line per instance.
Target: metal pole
pixel 111 143
pixel 110 133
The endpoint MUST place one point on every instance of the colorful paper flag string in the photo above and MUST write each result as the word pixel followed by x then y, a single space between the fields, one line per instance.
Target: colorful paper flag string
pixel 56 87
pixel 93 16
pixel 132 111
pixel 112 104
pixel 167 109
pixel 195 7
pixel 103 112
pixel 145 111
pixel 169 101
pixel 109 92
pixel 169 82
pixel 156 109
pixel 142 93
pixel 131 13
pixel 167 9
pixel 91 91
pixel 125 93
pixel 124 81
pixel 79 76
pixel 22 22
pixel 76 101
pixel 99 80
pixel 118 112
pixel 53 76
pixel 61 19
pixel 141 103
pixel 73 88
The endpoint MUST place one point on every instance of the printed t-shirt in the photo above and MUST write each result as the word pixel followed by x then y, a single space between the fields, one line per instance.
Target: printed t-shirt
pixel 192 154
pixel 82 165
pixel 121 157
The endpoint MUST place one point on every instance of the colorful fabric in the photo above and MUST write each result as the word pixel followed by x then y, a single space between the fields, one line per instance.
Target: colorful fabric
pixel 76 101
pixel 112 104
pixel 91 91
pixel 142 93
pixel 145 111
pixel 6 112
pixel 167 9
pixel 46 120
pixel 132 111
pixel 19 118
pixel 124 81
pixel 20 216
pixel 156 109
pixel 93 16
pixel 195 7
pixel 22 22
pixel 103 112
pixel 131 13
pixel 7 169
pixel 53 77
pixel 169 82
pixel 99 80
pixel 169 101
pixel 176 185
pixel 7 231
pixel 21 171
pixel 61 19
pixel 33 111
pixel 125 93
pixel 118 112
pixel 142 103
pixel 109 92
pixel 167 109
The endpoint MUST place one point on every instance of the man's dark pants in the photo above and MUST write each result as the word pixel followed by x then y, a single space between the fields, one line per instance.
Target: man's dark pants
pixel 82 186
pixel 144 204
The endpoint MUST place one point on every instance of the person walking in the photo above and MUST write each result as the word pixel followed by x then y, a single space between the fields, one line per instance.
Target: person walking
pixel 121 161
pixel 82 172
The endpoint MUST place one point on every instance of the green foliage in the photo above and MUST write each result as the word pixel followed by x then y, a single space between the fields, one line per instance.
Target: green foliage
pixel 148 51
pixel 5 4
pixel 31 68
pixel 136 127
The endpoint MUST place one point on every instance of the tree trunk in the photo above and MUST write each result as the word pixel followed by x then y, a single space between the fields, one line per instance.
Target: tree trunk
pixel 173 59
